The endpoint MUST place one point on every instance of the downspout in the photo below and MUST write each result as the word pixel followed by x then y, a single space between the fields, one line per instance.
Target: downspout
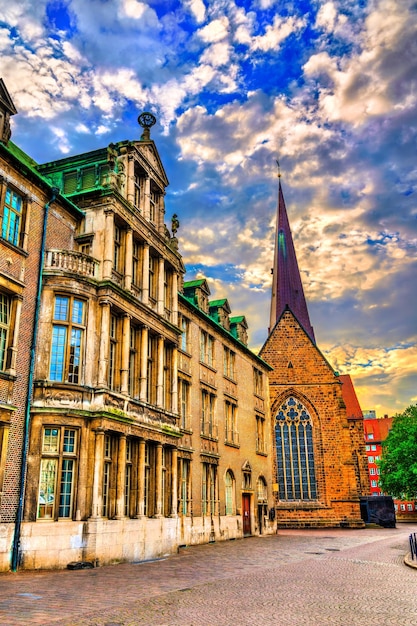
pixel 26 431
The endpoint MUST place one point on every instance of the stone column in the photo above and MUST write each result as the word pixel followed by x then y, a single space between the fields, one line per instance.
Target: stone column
pixel 160 374
pixel 158 481
pixel 161 287
pixel 120 480
pixel 124 375
pixel 97 500
pixel 104 344
pixel 128 259
pixel 145 274
pixel 140 504
pixel 108 244
pixel 143 364
pixel 174 483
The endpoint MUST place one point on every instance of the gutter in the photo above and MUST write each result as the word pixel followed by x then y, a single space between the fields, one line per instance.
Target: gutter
pixel 22 481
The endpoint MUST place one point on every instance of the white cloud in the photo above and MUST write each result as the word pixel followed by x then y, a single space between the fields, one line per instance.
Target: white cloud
pixel 215 31
pixel 197 9
pixel 133 9
pixel 276 33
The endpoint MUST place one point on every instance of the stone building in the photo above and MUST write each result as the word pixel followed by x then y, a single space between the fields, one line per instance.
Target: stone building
pixel 319 457
pixel 147 416
pixel 224 410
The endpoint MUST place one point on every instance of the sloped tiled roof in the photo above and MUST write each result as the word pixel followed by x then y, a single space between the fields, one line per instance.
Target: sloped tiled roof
pixel 351 401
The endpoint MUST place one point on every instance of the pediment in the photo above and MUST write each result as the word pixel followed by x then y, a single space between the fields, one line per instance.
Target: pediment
pixel 150 155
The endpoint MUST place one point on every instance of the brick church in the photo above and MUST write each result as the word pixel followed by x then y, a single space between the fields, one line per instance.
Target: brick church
pixel 319 462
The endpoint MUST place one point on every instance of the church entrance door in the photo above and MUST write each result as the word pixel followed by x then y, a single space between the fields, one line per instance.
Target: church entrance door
pixel 246 514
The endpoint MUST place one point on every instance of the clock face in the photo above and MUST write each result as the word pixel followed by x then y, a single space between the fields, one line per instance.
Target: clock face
pixel 146 120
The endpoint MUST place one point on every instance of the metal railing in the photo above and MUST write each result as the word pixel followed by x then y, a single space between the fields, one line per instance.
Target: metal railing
pixel 413 545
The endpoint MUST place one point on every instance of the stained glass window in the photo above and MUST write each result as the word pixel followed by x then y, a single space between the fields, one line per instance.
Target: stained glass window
pixel 295 452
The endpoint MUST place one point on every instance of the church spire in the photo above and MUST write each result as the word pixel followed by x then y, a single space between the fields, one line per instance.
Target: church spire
pixel 287 288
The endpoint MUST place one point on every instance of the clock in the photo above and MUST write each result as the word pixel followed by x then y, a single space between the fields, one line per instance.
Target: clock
pixel 146 120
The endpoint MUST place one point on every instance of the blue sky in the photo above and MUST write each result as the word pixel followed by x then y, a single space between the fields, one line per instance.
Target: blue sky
pixel 327 87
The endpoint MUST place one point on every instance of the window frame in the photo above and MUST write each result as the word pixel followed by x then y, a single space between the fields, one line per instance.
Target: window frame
pixel 10 214
pixel 60 457
pixel 66 357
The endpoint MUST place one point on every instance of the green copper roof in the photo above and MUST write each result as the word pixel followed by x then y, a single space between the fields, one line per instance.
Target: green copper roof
pixel 194 283
pixel 28 167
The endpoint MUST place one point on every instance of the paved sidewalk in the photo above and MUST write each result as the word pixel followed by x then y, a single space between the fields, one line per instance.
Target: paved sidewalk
pixel 312 577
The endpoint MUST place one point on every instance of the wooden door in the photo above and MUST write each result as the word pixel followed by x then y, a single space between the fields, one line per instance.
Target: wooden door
pixel 246 514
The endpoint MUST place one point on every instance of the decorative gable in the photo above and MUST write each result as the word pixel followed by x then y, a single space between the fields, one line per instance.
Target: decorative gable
pixel 7 109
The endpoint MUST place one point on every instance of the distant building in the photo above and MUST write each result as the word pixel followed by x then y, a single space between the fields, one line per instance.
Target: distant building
pixel 319 460
pixel 376 430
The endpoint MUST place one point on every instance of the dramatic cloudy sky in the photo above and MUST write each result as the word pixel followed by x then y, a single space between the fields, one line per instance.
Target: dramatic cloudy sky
pixel 327 87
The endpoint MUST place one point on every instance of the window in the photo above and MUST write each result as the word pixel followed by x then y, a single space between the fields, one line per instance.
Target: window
pixel 184 493
pixel 373 447
pixel 166 481
pixel 230 411
pixel 136 263
pixel 229 492
pixel 258 382
pixel 167 293
pixel 370 459
pixel 374 483
pixel 57 474
pixel 261 490
pixel 128 478
pixel 295 452
pixel 12 216
pixel 209 489
pixel 5 317
pixel 370 436
pixel 167 381
pixel 402 507
pixel 260 434
pixel 377 459
pixel 372 471
pixel 107 476
pixel 409 507
pixel 151 370
pixel 114 353
pixel 184 397
pixel 67 340
pixel 149 486
pixel 229 363
pixel 153 206
pixel 368 448
pixel 208 425
pixel 153 278
pixel 134 362
pixel 185 329
pixel 117 249
pixel 206 348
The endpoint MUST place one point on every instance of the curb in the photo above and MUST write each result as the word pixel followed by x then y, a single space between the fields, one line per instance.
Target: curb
pixel 409 561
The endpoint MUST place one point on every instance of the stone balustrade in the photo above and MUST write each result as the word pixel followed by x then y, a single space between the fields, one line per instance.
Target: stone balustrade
pixel 71 261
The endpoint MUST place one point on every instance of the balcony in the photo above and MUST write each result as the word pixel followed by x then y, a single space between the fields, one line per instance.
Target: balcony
pixel 70 261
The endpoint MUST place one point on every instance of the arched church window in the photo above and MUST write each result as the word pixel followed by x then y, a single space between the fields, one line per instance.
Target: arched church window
pixel 295 453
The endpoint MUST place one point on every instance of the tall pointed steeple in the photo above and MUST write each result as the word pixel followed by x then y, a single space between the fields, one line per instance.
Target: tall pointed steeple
pixel 287 288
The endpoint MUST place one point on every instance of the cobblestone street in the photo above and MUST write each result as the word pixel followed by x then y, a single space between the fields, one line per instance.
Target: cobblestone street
pixel 312 577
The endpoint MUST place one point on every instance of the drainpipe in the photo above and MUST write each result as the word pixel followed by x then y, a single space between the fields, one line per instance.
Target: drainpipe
pixel 22 480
